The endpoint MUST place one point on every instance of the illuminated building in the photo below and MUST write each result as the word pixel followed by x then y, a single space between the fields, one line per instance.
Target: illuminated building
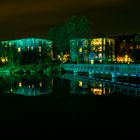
pixel 128 49
pixel 15 50
pixel 97 50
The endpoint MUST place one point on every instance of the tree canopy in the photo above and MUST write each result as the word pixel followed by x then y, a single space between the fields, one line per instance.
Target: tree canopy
pixel 73 28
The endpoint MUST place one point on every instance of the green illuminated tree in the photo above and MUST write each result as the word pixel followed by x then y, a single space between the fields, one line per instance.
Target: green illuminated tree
pixel 75 27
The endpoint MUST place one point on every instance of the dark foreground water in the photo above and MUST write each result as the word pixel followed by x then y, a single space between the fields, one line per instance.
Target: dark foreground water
pixel 36 102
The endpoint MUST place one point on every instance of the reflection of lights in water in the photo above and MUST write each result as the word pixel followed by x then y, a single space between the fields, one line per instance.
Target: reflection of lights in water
pixel 40 84
pixel 104 91
pixel 20 84
pixel 80 83
pixel 96 91
pixel 109 91
pixel 100 85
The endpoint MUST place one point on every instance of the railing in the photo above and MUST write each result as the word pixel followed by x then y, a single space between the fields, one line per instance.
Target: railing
pixel 106 68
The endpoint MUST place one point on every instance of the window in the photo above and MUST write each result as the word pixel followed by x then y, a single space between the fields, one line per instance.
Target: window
pixel 92 61
pixel 100 55
pixel 97 42
pixel 80 50
pixel 39 49
pixel 80 83
pixel 86 43
pixel 100 49
pixel 19 50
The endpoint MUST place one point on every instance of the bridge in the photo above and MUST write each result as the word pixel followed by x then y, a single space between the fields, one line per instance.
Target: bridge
pixel 114 69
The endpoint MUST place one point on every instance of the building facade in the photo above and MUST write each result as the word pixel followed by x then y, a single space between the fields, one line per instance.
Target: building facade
pixel 96 50
pixel 128 49
pixel 22 50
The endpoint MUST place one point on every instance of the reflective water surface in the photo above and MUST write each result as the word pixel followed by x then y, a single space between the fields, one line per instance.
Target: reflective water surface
pixel 39 85
pixel 68 101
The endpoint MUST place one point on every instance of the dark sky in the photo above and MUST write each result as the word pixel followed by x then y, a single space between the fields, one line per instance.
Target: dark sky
pixel 27 18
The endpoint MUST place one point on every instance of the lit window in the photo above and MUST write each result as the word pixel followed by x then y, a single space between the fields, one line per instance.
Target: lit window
pixel 97 41
pixel 100 49
pixel 126 58
pixel 20 84
pixel 100 55
pixel 19 49
pixel 40 84
pixel 92 61
pixel 80 83
pixel 39 49
pixel 3 60
pixel 80 50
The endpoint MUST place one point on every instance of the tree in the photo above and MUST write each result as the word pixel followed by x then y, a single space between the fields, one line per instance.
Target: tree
pixel 75 27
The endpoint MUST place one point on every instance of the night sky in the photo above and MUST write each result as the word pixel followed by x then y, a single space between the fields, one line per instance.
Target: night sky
pixel 28 18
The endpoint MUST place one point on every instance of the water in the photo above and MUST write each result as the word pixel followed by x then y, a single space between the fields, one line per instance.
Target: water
pixel 68 101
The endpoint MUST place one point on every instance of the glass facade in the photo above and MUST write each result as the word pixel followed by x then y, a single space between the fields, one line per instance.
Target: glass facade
pixel 97 50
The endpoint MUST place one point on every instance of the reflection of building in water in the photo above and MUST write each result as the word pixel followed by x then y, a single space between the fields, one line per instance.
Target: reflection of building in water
pixel 99 88
pixel 94 87
pixel 34 89
pixel 78 87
